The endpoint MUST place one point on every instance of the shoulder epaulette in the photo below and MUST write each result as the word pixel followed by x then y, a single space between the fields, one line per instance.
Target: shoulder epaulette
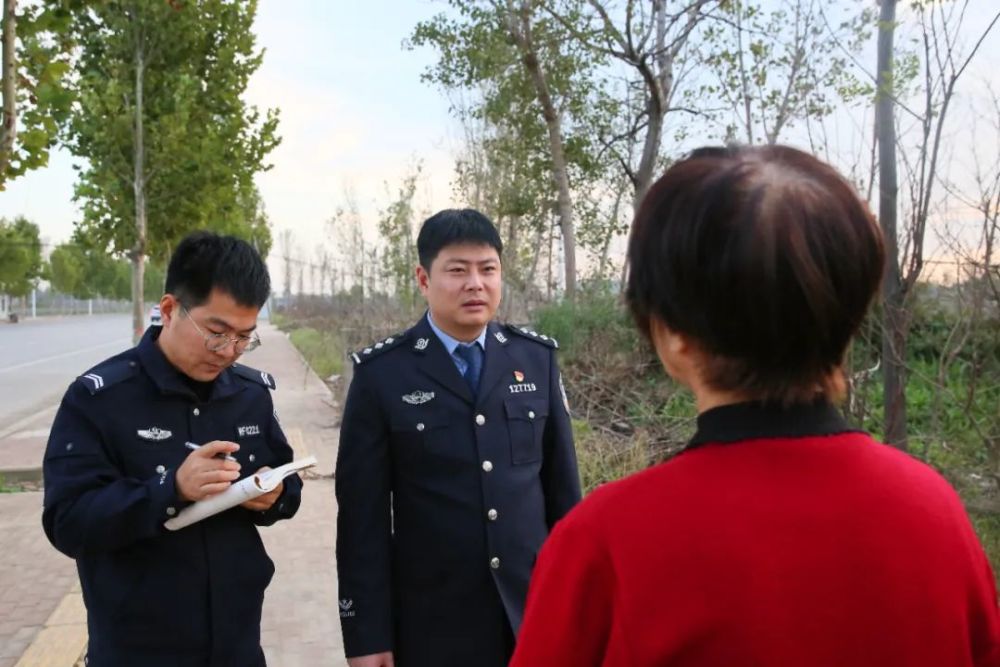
pixel 254 375
pixel 530 334
pixel 380 347
pixel 108 374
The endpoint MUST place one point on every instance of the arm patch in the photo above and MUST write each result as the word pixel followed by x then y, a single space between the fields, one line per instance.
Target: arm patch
pixel 108 374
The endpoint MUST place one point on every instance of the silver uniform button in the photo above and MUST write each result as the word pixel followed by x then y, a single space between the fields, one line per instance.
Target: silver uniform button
pixel 252 458
pixel 196 412
pixel 480 420
pixel 493 514
pixel 160 470
pixel 531 414
pixel 495 563
pixel 171 511
pixel 420 426
pixel 487 466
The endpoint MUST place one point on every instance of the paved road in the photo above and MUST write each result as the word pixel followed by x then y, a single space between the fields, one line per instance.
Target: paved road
pixel 38 360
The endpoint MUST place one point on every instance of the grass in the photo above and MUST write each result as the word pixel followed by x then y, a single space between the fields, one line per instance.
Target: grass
pixel 323 351
pixel 5 488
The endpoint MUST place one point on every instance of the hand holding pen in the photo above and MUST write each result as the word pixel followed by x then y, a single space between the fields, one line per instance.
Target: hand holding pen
pixel 203 473
pixel 221 455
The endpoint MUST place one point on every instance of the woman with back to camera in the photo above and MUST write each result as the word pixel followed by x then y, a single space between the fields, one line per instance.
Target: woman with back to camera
pixel 780 535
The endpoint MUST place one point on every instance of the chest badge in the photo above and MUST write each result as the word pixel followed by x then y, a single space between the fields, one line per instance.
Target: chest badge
pixel 418 397
pixel 249 429
pixel 521 387
pixel 154 434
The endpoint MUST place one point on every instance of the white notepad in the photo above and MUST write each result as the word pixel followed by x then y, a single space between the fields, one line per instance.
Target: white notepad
pixel 246 489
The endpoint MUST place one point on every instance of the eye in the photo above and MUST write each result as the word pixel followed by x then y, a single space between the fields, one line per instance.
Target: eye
pixel 216 333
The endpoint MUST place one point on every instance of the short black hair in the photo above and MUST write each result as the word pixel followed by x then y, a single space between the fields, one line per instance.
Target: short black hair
pixel 204 261
pixel 767 258
pixel 453 227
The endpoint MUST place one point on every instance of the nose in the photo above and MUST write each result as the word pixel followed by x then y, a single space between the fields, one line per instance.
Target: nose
pixel 228 352
pixel 475 281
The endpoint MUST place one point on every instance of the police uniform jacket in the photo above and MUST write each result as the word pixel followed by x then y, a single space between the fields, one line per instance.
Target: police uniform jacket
pixel 445 497
pixel 189 598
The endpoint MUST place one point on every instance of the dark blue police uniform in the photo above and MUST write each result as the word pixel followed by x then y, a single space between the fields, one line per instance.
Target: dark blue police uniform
pixel 445 496
pixel 190 598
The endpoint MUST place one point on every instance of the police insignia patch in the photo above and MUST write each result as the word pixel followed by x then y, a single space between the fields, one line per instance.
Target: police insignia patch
pixel 418 397
pixel 154 434
pixel 421 344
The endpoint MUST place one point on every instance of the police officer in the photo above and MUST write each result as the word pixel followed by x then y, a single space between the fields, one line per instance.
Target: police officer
pixel 119 463
pixel 456 458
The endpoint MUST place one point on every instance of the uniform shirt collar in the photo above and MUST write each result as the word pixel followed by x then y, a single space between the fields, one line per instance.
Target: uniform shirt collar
pixel 450 343
pixel 755 420
pixel 170 380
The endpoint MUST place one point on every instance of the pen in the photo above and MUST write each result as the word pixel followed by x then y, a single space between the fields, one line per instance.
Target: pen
pixel 192 446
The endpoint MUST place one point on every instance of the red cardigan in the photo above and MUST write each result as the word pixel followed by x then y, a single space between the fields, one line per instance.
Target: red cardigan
pixel 799 544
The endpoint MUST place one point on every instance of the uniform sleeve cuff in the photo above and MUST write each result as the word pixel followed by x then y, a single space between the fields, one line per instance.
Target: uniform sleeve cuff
pixel 165 501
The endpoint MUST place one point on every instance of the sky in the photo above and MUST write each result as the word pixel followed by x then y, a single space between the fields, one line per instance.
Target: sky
pixel 356 116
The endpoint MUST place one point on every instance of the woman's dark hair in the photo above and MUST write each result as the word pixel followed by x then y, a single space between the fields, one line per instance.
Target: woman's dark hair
pixel 204 261
pixel 454 227
pixel 766 258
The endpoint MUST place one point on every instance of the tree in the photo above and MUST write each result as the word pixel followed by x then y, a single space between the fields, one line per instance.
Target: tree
pixel 395 226
pixel 20 256
pixel 539 89
pixel 894 330
pixel 36 100
pixel 780 63
pixel 169 144
pixel 943 64
pixel 67 270
pixel 649 40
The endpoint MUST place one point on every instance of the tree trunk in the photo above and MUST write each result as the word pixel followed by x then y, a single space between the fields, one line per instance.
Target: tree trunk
pixel 658 85
pixel 8 128
pixel 560 173
pixel 894 316
pixel 139 189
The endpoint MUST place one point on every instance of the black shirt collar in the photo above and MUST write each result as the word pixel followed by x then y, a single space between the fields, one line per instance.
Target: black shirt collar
pixel 170 380
pixel 753 420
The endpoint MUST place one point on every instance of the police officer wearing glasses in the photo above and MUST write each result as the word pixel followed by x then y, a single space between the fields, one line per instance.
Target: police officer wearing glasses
pixel 119 463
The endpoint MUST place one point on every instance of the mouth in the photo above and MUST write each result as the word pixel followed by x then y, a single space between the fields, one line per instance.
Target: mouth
pixel 474 304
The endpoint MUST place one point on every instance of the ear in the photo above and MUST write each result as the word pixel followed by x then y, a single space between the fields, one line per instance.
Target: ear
pixel 675 350
pixel 170 307
pixel 423 279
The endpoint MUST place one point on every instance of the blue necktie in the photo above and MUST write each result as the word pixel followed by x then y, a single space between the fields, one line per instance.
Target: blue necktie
pixel 473 356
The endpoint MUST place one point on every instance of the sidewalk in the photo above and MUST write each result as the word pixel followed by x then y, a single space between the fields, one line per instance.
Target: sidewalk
pixel 42 620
